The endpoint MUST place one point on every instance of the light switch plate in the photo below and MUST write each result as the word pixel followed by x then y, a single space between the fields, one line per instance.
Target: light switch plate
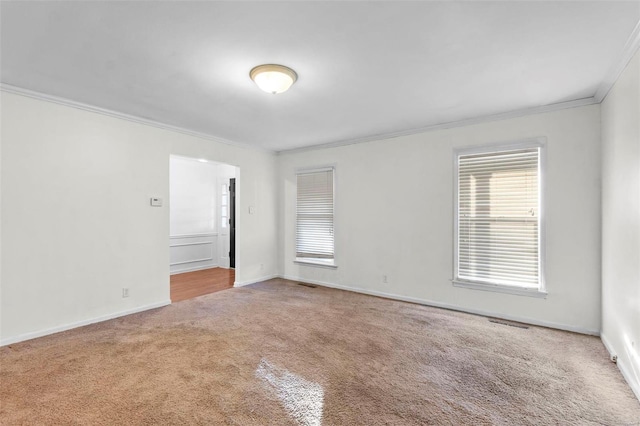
pixel 156 202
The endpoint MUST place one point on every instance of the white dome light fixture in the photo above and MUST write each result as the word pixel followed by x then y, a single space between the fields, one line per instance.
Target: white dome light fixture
pixel 273 78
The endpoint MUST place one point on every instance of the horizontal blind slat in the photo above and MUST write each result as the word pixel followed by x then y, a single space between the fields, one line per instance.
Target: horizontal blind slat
pixel 498 217
pixel 314 214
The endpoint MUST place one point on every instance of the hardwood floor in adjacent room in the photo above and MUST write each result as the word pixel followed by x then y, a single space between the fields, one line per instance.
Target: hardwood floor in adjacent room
pixel 197 283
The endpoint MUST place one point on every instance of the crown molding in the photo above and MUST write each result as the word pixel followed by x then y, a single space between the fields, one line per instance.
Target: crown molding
pixel 630 48
pixel 4 87
pixel 450 125
pixel 461 123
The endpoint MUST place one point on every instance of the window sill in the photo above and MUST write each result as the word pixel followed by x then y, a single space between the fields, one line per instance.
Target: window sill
pixel 317 262
pixel 497 288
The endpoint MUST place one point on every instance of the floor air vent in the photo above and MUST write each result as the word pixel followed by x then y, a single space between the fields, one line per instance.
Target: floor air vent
pixel 307 285
pixel 509 323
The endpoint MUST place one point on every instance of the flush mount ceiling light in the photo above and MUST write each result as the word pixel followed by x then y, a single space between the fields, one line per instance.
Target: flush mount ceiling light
pixel 273 78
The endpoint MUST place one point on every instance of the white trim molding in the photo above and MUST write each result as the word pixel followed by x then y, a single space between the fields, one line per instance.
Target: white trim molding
pixel 540 143
pixel 192 244
pixel 315 262
pixel 103 111
pixel 632 380
pixel 311 261
pixel 255 280
pixel 212 234
pixel 65 327
pixel 195 268
pixel 496 288
pixel 185 244
pixel 450 125
pixel 449 306
pixel 630 49
pixel 4 87
pixel 193 261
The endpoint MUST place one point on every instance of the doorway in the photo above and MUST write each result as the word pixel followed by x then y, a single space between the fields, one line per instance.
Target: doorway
pixel 202 246
pixel 232 223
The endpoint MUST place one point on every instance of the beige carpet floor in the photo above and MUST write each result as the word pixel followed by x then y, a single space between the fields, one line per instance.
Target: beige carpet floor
pixel 279 353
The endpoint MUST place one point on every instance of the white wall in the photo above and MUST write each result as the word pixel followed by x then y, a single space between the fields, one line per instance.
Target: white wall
pixel 76 221
pixel 193 194
pixel 394 216
pixel 193 212
pixel 621 222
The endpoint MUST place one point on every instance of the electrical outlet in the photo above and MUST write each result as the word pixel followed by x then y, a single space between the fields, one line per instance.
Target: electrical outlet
pixel 384 279
pixel 125 292
pixel 614 359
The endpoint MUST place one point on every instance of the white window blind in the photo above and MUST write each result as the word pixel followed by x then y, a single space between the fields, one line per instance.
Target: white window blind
pixel 498 218
pixel 314 215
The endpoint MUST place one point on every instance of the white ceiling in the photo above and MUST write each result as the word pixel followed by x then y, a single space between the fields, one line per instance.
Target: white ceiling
pixel 365 68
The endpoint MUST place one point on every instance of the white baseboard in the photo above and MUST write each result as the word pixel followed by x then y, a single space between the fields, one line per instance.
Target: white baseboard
pixel 632 380
pixel 256 280
pixel 65 327
pixel 194 268
pixel 435 304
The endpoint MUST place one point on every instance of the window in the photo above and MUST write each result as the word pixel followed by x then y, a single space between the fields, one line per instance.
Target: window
pixel 314 217
pixel 498 219
pixel 224 206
